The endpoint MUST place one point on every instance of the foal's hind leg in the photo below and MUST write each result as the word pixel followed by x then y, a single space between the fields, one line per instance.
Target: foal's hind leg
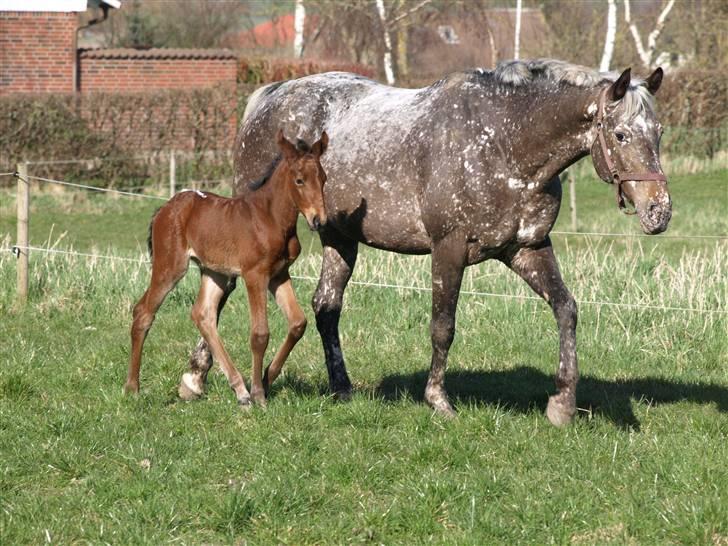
pixel 338 264
pixel 538 267
pixel 163 281
pixel 282 289
pixel 204 315
pixel 193 382
pixel 257 284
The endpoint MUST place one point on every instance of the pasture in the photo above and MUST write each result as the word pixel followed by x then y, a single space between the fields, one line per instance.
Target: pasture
pixel 644 462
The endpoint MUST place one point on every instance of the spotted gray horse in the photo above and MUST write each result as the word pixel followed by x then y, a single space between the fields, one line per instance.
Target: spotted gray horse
pixel 467 170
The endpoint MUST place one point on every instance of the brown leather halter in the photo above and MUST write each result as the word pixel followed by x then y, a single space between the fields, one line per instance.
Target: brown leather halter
pixel 618 178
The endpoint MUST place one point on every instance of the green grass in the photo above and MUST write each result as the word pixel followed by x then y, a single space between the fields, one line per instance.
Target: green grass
pixel 644 463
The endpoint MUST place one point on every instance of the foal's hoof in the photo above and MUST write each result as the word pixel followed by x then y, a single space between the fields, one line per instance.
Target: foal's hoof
pixel 245 403
pixel 131 388
pixel 189 389
pixel 561 409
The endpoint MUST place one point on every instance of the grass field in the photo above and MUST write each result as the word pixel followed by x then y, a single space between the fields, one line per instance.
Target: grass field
pixel 645 462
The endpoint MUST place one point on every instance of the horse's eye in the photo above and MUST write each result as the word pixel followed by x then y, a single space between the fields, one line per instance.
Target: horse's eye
pixel 620 137
pixel 299 181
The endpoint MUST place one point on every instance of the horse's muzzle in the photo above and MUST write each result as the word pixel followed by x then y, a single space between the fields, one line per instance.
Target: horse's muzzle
pixel 655 217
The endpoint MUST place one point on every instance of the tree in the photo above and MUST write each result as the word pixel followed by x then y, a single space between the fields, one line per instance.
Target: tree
pixel 299 21
pixel 610 37
pixel 647 54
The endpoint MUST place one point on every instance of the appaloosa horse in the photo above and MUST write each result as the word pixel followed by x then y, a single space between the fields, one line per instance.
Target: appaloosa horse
pixel 252 236
pixel 467 170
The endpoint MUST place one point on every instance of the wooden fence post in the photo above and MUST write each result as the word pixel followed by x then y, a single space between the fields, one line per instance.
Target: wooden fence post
pixel 572 200
pixel 21 241
pixel 172 173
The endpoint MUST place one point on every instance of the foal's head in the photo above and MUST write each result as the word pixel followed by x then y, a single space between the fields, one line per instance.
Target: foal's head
pixel 305 177
pixel 627 148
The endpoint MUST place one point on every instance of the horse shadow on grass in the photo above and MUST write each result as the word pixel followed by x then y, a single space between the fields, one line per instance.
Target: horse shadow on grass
pixel 526 389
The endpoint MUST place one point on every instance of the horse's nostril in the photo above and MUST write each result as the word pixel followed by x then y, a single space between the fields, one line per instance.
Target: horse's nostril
pixel 316 222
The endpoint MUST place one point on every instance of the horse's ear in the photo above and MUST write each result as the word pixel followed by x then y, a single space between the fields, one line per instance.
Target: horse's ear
pixel 288 149
pixel 619 88
pixel 654 80
pixel 319 148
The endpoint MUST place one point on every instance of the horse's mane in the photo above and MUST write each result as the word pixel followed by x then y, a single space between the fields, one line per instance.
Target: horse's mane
pixel 301 146
pixel 530 72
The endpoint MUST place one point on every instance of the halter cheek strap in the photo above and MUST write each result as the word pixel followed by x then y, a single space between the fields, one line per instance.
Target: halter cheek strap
pixel 618 177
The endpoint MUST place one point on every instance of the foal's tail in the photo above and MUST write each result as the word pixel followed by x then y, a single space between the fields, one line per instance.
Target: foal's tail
pixel 149 236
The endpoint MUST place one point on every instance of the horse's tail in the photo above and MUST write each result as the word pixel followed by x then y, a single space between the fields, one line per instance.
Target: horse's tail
pixel 149 236
pixel 257 95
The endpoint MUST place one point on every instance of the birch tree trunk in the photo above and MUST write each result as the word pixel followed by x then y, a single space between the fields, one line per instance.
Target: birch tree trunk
pixel 388 69
pixel 517 45
pixel 609 39
pixel 647 54
pixel 299 20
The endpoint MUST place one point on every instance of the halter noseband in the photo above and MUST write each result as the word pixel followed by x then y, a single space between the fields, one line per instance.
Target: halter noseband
pixel 618 177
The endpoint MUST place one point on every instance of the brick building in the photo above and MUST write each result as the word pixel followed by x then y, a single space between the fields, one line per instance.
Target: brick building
pixel 38 54
pixel 132 70
pixel 37 51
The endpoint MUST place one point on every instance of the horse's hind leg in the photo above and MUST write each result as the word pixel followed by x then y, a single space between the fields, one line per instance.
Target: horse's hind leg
pixel 193 382
pixel 282 289
pixel 163 281
pixel 338 264
pixel 538 267
pixel 448 264
pixel 204 315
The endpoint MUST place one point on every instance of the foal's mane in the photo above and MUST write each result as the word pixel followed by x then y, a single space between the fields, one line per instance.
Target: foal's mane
pixel 301 146
pixel 531 72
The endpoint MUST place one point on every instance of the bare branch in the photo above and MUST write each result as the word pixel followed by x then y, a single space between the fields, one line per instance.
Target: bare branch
pixel 409 12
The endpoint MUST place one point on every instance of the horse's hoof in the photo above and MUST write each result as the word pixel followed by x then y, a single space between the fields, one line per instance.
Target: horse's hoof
pixel 560 410
pixel 188 389
pixel 444 410
pixel 343 395
pixel 245 403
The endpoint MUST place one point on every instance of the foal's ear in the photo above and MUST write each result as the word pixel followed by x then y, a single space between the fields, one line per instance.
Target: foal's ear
pixel 619 88
pixel 654 80
pixel 288 149
pixel 319 148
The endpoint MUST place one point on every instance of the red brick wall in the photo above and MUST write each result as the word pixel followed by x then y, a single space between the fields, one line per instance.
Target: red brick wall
pixel 37 52
pixel 146 74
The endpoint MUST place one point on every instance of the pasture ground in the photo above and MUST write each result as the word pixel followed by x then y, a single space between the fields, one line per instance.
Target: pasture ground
pixel 644 463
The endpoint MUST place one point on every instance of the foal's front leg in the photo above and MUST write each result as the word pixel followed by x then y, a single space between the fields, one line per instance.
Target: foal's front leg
pixel 538 267
pixel 257 286
pixel 282 289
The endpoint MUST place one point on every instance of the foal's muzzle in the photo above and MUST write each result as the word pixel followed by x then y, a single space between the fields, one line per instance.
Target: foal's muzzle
pixel 316 222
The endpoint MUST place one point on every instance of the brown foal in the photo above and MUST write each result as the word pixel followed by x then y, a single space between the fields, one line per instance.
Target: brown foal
pixel 251 236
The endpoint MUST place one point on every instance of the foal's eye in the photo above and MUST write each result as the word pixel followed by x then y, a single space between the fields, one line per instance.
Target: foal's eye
pixel 299 181
pixel 620 137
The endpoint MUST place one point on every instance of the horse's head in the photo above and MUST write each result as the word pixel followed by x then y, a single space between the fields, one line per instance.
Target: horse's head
pixel 306 177
pixel 626 149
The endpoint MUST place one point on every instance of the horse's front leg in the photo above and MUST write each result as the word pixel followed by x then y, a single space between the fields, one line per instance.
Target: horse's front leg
pixel 339 258
pixel 448 264
pixel 538 267
pixel 193 382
